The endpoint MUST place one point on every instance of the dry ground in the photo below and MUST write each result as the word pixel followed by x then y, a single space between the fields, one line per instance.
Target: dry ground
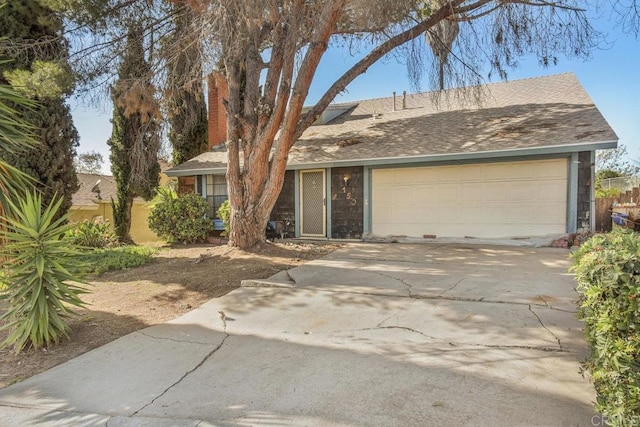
pixel 180 278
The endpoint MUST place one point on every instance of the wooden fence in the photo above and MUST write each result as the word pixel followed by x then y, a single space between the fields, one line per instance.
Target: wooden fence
pixel 604 206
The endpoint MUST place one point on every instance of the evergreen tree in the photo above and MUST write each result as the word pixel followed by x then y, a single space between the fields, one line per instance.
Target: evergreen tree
pixel 186 109
pixel 42 73
pixel 135 138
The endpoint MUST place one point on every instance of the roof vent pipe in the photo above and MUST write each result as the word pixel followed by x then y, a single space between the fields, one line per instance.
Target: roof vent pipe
pixel 404 99
pixel 394 101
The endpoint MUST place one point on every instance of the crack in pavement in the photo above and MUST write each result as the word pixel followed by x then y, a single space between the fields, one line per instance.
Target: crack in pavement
pixel 290 277
pixel 453 287
pixel 376 260
pixel 455 344
pixel 386 319
pixel 433 297
pixel 440 296
pixel 207 357
pixel 544 301
pixel 544 326
pixel 172 339
pixel 407 285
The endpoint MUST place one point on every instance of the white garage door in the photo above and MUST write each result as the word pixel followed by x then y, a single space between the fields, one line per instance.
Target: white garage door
pixel 480 200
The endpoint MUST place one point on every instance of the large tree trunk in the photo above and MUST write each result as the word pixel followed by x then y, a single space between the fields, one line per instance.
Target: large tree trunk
pixel 250 212
pixel 247 229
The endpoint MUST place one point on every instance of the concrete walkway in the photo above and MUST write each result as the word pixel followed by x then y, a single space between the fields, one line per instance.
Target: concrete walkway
pixel 373 334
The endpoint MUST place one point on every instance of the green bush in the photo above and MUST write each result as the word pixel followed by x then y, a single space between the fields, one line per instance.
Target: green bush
pixel 224 213
pixel 100 260
pixel 182 220
pixel 92 234
pixel 607 270
pixel 40 288
pixel 604 193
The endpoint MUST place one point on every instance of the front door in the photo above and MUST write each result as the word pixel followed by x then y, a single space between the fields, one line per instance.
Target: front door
pixel 313 203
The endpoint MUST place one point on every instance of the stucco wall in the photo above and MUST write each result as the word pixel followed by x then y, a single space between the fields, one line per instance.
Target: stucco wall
pixel 140 232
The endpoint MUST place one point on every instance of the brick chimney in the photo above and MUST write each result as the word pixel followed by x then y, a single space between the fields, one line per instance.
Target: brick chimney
pixel 217 91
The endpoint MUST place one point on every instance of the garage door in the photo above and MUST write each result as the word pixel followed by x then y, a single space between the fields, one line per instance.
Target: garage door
pixel 488 200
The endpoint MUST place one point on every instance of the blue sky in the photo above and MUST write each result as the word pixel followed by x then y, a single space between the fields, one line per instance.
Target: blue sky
pixel 611 77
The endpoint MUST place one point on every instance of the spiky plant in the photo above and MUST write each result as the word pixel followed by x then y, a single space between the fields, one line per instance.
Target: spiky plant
pixel 40 289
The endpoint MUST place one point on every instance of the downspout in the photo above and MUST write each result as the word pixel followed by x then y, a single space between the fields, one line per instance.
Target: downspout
pixel 572 194
pixel 592 193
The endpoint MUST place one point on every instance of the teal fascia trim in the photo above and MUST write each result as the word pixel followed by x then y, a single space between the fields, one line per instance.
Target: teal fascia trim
pixel 366 210
pixel 199 171
pixel 456 158
pixel 519 153
pixel 296 203
pixel 572 194
pixel 327 197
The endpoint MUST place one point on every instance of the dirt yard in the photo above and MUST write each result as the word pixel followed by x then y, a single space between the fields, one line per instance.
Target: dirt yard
pixel 180 278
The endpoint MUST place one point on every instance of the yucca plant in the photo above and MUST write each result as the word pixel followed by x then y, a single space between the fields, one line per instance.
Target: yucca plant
pixel 40 288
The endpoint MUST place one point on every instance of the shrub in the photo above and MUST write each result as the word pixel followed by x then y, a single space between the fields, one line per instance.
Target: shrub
pixel 92 234
pixel 100 260
pixel 607 270
pixel 164 194
pixel 605 193
pixel 183 219
pixel 224 213
pixel 40 288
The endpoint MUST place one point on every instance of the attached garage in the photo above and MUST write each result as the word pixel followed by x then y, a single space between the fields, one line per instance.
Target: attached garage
pixel 527 198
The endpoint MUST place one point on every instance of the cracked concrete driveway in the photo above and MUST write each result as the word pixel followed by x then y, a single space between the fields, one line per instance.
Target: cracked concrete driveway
pixel 372 334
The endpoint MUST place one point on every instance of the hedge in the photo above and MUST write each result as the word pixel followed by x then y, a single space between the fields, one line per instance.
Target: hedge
pixel 607 269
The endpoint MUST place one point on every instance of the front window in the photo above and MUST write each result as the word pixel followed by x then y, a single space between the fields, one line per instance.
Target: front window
pixel 216 193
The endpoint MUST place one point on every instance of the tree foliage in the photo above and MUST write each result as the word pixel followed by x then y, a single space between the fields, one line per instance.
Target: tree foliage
pixel 135 138
pixel 15 138
pixel 42 73
pixel 89 162
pixel 185 104
pixel 615 160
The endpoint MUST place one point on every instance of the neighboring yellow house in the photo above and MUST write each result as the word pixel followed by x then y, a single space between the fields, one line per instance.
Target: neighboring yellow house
pixel 93 201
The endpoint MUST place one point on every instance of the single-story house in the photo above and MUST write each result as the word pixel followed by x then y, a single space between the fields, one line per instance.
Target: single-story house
pixel 92 201
pixel 519 164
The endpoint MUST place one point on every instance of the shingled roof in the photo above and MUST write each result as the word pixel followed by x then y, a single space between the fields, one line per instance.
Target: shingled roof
pixel 541 115
pixel 86 197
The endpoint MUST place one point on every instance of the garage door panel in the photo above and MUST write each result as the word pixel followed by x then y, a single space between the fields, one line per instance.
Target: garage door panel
pixel 483 200
pixel 553 190
pixel 472 191
pixel 403 193
pixel 497 192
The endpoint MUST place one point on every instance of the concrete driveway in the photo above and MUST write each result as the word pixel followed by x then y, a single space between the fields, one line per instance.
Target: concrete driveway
pixel 372 334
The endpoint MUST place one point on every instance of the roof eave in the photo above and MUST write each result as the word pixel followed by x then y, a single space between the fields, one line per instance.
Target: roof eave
pixel 448 157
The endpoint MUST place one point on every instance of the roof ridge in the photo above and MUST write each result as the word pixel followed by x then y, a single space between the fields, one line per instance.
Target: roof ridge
pixel 459 88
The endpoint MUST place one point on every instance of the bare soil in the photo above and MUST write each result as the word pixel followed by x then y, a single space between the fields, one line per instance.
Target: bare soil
pixel 179 279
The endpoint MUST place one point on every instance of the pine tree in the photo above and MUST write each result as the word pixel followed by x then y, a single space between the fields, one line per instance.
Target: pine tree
pixel 135 138
pixel 42 74
pixel 186 109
